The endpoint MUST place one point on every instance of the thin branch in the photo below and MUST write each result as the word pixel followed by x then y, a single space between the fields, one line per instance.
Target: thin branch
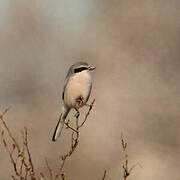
pixel 13 178
pixel 49 169
pixel 68 126
pixel 8 130
pixel 90 108
pixel 23 154
pixel 41 176
pixel 104 175
pixel 24 167
pixel 11 157
pixel 74 140
pixel 63 176
pixel 126 170
pixel 31 170
pixel 23 158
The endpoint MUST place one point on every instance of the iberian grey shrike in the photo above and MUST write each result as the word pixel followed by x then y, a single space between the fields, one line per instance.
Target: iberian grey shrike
pixel 76 92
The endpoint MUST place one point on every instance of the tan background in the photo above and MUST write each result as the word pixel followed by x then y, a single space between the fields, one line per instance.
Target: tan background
pixel 135 46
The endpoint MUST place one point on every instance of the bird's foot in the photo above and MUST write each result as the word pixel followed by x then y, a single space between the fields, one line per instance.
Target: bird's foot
pixel 77 113
pixel 79 101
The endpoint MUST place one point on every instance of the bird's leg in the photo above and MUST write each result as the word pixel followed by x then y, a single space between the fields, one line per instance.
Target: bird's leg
pixel 77 113
pixel 79 101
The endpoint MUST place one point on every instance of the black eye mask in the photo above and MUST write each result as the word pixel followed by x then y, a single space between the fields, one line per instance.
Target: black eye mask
pixel 80 69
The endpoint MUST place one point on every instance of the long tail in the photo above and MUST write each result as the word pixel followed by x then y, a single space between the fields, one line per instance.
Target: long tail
pixel 60 124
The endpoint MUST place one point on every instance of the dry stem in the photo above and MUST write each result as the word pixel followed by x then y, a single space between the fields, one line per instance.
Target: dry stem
pixel 74 141
pixel 22 155
pixel 126 170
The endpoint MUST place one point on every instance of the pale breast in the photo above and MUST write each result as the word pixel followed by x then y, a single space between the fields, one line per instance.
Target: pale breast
pixel 79 85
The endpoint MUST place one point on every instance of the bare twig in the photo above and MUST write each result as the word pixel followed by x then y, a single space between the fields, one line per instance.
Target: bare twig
pixel 8 130
pixel 23 158
pixel 90 108
pixel 26 166
pixel 63 176
pixel 41 176
pixel 23 155
pixel 104 175
pixel 11 157
pixel 126 170
pixel 31 167
pixel 74 140
pixel 68 126
pixel 13 178
pixel 49 169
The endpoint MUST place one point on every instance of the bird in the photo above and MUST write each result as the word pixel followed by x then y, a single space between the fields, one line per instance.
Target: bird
pixel 76 92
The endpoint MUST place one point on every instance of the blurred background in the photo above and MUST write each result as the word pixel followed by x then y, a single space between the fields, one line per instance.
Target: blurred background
pixel 135 46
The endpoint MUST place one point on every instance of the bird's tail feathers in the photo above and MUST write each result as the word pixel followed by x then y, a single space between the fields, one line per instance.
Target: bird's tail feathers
pixel 60 125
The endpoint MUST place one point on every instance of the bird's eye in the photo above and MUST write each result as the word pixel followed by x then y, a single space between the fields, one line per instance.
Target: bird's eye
pixel 80 69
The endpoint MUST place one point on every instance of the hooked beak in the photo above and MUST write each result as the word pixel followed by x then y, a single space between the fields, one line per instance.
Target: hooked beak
pixel 90 68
